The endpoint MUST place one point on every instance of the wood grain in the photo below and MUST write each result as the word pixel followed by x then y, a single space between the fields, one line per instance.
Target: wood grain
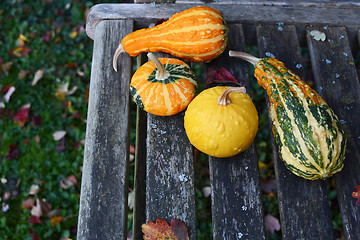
pixel 236 12
pixel 301 201
pixel 104 190
pixel 338 83
pixel 235 184
pixel 170 191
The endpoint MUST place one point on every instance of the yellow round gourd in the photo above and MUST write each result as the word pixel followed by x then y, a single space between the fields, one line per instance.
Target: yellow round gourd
pixel 221 121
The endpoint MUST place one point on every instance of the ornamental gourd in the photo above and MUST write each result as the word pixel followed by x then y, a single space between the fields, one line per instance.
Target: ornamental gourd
pixel 306 130
pixel 163 86
pixel 221 121
pixel 198 34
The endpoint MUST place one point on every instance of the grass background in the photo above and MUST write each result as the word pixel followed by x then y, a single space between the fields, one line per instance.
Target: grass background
pixel 48 37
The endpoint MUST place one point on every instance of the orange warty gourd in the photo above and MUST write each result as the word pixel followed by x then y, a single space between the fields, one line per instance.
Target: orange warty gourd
pixel 163 86
pixel 198 34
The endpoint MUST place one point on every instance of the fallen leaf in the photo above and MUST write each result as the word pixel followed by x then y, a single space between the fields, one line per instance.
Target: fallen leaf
pixel 61 146
pixel 20 51
pixel 13 153
pixel 271 224
pixel 28 203
pixel 22 74
pixel 55 220
pixel 317 35
pixel 5 67
pixel 8 93
pixel 36 120
pixel 356 194
pixel 22 116
pixel 162 231
pixel 68 182
pixel 37 76
pixel 5 207
pixel 206 191
pixel 220 76
pixel 58 135
pixel 7 196
pixel 64 91
pixel 34 189
pixel 34 220
pixel 41 208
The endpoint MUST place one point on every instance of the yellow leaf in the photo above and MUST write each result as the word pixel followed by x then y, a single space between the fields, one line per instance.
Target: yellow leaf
pixel 262 165
pixel 73 34
pixel 22 37
pixel 55 220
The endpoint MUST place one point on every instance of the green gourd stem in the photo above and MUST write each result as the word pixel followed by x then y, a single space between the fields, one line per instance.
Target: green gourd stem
pixel 161 74
pixel 224 99
pixel 245 56
pixel 118 51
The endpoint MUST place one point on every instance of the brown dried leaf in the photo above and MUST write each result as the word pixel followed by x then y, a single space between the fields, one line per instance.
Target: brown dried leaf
pixel 28 203
pixel 162 231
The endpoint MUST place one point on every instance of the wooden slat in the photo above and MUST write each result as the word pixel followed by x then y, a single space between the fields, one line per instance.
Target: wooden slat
pixel 104 190
pixel 235 186
pixel 335 74
pixel 170 191
pixel 301 201
pixel 302 16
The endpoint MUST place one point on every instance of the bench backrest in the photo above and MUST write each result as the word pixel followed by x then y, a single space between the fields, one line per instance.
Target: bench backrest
pixel 164 170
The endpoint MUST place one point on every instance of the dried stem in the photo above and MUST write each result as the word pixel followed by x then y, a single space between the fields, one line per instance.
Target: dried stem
pixel 245 56
pixel 118 51
pixel 224 99
pixel 161 74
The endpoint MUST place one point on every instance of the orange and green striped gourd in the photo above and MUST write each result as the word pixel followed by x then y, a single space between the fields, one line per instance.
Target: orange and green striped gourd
pixel 163 86
pixel 307 132
pixel 198 34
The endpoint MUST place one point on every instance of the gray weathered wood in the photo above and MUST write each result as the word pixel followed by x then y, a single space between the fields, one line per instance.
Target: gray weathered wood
pixel 301 201
pixel 235 183
pixel 302 16
pixel 104 190
pixel 170 191
pixel 336 76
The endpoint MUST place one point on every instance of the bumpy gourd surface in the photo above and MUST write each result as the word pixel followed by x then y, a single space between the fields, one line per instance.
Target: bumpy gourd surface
pixel 163 97
pixel 221 131
pixel 308 133
pixel 198 34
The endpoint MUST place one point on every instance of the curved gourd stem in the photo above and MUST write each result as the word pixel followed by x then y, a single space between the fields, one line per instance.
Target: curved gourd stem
pixel 161 74
pixel 224 99
pixel 118 51
pixel 245 56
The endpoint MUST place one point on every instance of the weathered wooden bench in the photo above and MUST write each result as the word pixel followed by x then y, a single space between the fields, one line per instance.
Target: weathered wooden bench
pixel 164 170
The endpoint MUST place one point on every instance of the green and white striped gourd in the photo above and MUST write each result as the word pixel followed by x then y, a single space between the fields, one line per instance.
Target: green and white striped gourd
pixel 307 132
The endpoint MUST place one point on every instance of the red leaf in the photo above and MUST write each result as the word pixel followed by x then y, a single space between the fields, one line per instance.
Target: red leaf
pixel 13 153
pixel 162 231
pixel 36 120
pixel 46 37
pixel 61 147
pixel 220 75
pixel 35 220
pixel 356 194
